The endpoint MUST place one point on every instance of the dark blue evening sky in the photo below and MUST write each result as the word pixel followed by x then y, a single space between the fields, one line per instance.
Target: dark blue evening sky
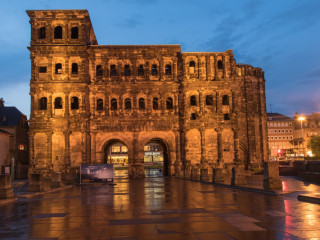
pixel 281 37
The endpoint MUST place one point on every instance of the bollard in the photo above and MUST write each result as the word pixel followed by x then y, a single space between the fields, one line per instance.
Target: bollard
pixel 271 179
pixel 6 190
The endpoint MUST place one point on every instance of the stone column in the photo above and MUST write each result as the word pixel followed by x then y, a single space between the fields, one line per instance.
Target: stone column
pixel 177 163
pixel 50 105
pixel 66 105
pixel 236 147
pixel 161 68
pixel 220 147
pixel 218 176
pixel 201 101
pixel 5 187
pixel 93 147
pixel 33 107
pixel 31 149
pixel 67 149
pixel 175 69
pixel 204 170
pixel 238 176
pixel 136 167
pixel 208 68
pixel 49 152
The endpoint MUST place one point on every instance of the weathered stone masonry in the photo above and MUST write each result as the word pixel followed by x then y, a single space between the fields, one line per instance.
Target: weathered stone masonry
pixel 206 109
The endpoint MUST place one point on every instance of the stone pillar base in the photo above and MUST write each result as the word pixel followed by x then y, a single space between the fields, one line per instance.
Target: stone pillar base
pixel 69 178
pixel 136 171
pixel 238 176
pixel 195 173
pixel 217 175
pixel 271 180
pixel 34 182
pixel 187 172
pixel 204 175
pixel 6 187
pixel 56 180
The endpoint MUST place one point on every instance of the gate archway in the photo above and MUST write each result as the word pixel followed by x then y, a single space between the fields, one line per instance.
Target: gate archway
pixel 156 158
pixel 116 152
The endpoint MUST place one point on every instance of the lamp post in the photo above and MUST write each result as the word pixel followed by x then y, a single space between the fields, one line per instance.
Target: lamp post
pixel 302 119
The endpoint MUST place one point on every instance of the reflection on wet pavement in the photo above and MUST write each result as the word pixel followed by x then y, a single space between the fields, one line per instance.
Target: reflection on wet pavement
pixel 160 208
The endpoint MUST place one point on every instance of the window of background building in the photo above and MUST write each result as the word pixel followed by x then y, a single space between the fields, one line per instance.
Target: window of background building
pixel 43 103
pixel 193 100
pixel 168 69
pixel 100 104
pixel 74 33
pixel 114 104
pixel 58 103
pixel 58 32
pixel 74 103
pixel 154 70
pixel 127 104
pixel 42 69
pixel 209 100
pixel 169 103
pixel 142 105
pixel 155 104
pixel 225 100
pixel 42 33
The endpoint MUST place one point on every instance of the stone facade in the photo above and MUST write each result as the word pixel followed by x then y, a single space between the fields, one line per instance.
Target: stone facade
pixel 205 109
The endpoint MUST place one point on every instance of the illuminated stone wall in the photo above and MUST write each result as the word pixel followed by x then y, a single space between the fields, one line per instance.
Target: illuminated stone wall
pixel 206 109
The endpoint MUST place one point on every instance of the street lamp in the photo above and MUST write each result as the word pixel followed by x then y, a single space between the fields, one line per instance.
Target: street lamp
pixel 302 119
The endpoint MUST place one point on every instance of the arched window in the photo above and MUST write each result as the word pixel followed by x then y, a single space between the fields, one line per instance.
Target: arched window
pixel 168 69
pixel 58 69
pixel 74 103
pixel 99 104
pixel 58 32
pixel 42 69
pixel 127 71
pixel 193 116
pixel 209 100
pixel 127 104
pixel 114 104
pixel 155 104
pixel 113 71
pixel 193 100
pixel 169 103
pixel 192 66
pixel 220 64
pixel 225 100
pixel 42 33
pixel 99 71
pixel 43 103
pixel 142 105
pixel 226 116
pixel 58 103
pixel 74 33
pixel 140 71
pixel 154 70
pixel 74 68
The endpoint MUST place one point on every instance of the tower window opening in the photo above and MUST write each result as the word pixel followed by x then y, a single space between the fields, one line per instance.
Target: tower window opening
pixel 193 116
pixel 226 116
pixel 140 71
pixel 169 103
pixel 74 68
pixel 42 33
pixel 127 104
pixel 43 103
pixel 74 33
pixel 100 104
pixel 113 71
pixel 74 103
pixel 220 64
pixel 225 100
pixel 114 104
pixel 142 105
pixel 193 100
pixel 58 69
pixel 192 66
pixel 99 71
pixel 209 100
pixel 127 71
pixel 154 70
pixel 58 32
pixel 155 104
pixel 58 103
pixel 42 69
pixel 168 69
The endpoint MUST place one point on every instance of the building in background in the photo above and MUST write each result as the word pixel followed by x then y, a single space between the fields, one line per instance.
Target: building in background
pixel 13 122
pixel 304 129
pixel 280 135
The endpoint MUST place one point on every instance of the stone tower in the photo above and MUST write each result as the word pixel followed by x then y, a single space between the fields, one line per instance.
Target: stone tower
pixel 205 110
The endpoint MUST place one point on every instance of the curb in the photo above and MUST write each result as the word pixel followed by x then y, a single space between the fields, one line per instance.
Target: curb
pixel 30 195
pixel 312 198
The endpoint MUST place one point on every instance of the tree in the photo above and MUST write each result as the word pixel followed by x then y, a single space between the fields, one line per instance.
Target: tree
pixel 315 145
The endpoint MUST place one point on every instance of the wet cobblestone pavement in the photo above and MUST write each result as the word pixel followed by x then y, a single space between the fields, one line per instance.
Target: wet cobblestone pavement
pixel 161 208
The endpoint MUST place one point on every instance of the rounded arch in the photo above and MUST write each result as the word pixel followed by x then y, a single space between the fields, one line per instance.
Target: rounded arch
pixel 164 153
pixel 121 153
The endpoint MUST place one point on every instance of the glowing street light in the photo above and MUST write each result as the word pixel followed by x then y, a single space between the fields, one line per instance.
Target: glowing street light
pixel 301 118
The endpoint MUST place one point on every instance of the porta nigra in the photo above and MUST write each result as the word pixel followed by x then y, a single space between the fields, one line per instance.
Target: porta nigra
pixel 202 109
